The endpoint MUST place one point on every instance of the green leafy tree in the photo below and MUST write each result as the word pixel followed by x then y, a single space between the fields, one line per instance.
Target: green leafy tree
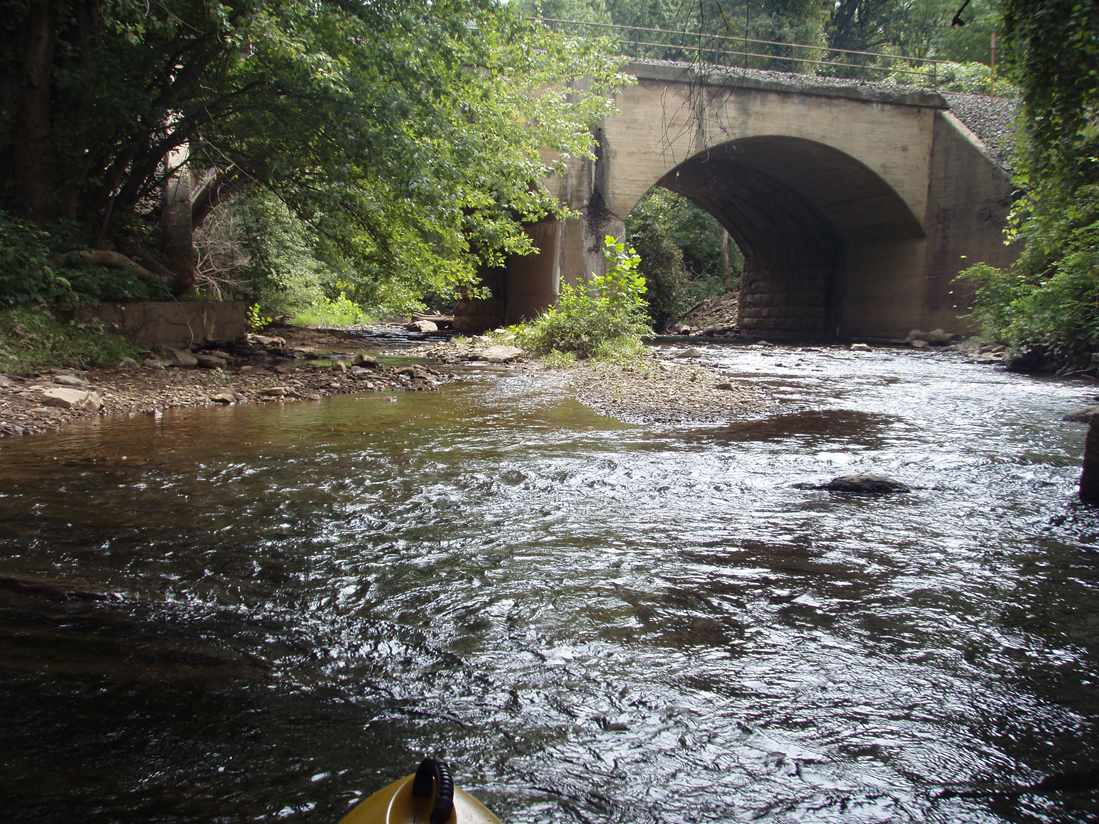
pixel 1049 300
pixel 685 256
pixel 409 137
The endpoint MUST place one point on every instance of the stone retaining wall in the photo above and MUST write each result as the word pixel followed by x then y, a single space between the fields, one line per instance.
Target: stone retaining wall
pixel 178 324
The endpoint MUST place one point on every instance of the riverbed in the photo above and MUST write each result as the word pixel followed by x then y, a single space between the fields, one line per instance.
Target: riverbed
pixel 264 613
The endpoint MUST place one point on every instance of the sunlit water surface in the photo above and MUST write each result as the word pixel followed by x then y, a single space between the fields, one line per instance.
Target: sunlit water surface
pixel 592 622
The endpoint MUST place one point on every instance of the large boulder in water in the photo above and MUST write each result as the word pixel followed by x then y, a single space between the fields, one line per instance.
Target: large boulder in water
pixel 865 484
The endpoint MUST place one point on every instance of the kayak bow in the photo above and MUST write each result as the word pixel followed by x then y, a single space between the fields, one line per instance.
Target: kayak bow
pixel 428 796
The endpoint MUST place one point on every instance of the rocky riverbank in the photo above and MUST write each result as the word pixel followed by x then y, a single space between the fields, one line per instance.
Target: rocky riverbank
pixel 650 389
pixel 671 386
pixel 294 364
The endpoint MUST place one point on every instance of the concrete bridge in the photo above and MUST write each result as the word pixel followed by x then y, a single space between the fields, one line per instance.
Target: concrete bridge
pixel 854 205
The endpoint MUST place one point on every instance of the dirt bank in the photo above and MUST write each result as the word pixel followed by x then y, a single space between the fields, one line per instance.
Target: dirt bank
pixel 287 364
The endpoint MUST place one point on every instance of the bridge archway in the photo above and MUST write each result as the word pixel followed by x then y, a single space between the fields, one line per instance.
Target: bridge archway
pixel 856 207
pixel 807 217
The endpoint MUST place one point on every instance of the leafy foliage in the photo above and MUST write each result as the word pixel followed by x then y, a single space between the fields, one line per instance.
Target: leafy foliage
pixel 971 78
pixel 680 246
pixel 32 339
pixel 1049 300
pixel 595 317
pixel 26 275
pixel 407 138
pixel 341 311
pixel 29 276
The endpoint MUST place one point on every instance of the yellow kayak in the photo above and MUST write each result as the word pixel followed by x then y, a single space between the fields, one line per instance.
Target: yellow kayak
pixel 428 796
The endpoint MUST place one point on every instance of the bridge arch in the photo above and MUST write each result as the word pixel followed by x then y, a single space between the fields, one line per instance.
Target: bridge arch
pixel 798 209
pixel 855 206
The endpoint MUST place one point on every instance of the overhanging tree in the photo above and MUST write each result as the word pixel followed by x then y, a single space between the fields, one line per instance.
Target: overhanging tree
pixel 411 136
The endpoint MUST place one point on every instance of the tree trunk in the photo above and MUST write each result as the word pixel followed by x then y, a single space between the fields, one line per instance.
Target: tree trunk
pixel 1089 480
pixel 176 226
pixel 31 134
pixel 727 260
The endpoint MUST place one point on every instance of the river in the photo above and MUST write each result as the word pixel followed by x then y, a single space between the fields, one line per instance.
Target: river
pixel 275 610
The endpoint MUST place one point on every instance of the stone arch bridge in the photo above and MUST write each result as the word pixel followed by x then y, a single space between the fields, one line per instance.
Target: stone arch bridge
pixel 855 206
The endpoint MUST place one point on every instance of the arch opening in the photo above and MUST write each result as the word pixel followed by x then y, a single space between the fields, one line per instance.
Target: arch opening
pixel 819 231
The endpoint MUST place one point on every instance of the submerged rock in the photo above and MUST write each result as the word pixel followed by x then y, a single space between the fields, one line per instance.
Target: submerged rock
pixel 860 484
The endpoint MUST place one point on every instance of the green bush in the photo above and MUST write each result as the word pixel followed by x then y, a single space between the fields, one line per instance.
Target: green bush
pixel 26 276
pixel 680 246
pixel 32 339
pixel 597 316
pixel 971 78
pixel 327 312
pixel 1049 300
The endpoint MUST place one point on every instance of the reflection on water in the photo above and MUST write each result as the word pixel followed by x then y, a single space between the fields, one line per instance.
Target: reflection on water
pixel 261 613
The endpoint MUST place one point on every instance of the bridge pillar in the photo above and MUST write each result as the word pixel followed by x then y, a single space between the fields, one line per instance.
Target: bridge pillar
pixel 532 281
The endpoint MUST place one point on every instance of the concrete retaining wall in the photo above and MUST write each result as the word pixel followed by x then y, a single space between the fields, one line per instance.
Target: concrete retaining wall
pixel 169 323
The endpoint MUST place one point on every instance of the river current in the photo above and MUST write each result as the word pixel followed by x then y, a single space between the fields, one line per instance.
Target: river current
pixel 265 613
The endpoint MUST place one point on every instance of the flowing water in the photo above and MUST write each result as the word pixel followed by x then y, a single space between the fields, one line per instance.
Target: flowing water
pixel 264 613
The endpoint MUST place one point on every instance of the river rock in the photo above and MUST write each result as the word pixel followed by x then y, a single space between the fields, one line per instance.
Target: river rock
pixel 860 347
pixel 69 398
pixel 6 382
pixel 919 344
pixel 224 398
pixel 500 354
pixel 1029 360
pixel 939 337
pixel 275 392
pixel 367 361
pixel 687 353
pixel 180 358
pixel 864 484
pixel 267 341
pixel 1085 415
pixel 916 335
pixel 66 379
pixel 422 326
pixel 209 361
